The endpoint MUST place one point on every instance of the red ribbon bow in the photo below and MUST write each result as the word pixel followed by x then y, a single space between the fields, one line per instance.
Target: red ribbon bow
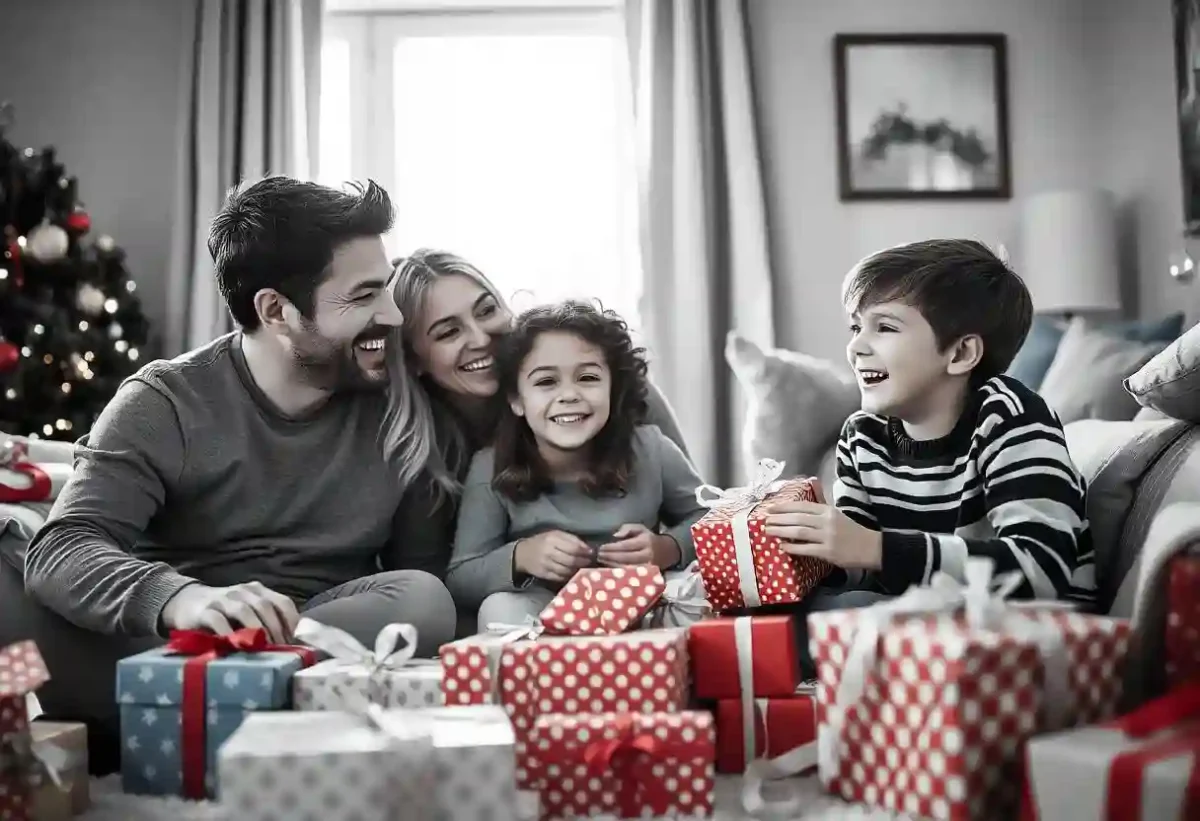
pixel 619 755
pixel 203 647
pixel 1126 772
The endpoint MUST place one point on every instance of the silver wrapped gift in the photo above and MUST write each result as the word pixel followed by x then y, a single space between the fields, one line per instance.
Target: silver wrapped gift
pixel 387 676
pixel 334 766
pixel 474 764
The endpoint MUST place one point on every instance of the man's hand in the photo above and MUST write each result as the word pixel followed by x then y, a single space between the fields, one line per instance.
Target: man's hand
pixel 222 610
pixel 553 555
pixel 824 532
pixel 637 544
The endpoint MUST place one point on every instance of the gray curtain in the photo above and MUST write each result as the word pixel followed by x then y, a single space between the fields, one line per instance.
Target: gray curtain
pixel 248 109
pixel 704 229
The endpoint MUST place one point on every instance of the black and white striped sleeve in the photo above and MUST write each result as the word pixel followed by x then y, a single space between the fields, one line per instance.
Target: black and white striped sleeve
pixel 849 496
pixel 1033 499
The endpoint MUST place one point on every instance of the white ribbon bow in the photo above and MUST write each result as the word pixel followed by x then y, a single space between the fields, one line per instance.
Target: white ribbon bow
pixel 740 501
pixel 395 646
pixel 684 601
pixel 982 599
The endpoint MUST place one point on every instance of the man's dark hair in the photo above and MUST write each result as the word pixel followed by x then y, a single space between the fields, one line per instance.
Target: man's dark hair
pixel 961 288
pixel 519 471
pixel 281 233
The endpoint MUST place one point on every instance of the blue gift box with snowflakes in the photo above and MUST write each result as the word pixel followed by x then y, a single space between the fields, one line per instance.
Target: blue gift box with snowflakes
pixel 178 708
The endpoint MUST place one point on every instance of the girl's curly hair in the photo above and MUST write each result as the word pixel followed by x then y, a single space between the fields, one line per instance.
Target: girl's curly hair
pixel 520 473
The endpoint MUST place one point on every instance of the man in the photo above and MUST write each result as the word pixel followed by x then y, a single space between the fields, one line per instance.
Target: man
pixel 242 483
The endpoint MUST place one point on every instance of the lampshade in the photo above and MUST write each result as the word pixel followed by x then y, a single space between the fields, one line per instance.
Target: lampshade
pixel 1069 251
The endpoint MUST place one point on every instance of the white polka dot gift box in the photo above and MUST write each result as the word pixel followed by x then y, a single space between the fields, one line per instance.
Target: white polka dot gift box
pixel 1182 639
pixel 355 676
pixel 621 765
pixel 645 671
pixel 1144 766
pixel 328 766
pixel 600 601
pixel 741 565
pixel 924 702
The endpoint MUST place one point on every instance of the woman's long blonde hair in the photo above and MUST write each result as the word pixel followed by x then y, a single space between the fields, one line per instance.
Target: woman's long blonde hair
pixel 416 439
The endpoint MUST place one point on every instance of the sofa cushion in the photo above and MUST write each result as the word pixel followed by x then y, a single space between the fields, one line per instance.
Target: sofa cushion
pixel 1170 382
pixel 1085 379
pixel 797 405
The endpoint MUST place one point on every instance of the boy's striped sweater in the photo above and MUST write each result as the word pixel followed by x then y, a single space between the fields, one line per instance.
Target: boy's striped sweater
pixel 1001 484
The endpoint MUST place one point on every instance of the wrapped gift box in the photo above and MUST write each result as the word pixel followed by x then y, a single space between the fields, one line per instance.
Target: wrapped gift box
pixel 329 765
pixel 21 672
pixel 474 760
pixel 778 726
pixel 1182 639
pixel 349 686
pixel 644 671
pixel 1141 767
pixel 600 601
pixel 70 797
pixel 683 601
pixel 625 765
pixel 754 653
pixel 179 706
pixel 741 564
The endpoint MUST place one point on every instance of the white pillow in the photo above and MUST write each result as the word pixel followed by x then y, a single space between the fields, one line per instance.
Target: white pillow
pixel 797 405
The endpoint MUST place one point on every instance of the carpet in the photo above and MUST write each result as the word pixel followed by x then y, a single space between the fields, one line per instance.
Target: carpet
pixel 110 804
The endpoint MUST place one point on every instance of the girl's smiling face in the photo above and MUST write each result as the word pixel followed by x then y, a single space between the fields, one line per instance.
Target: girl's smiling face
pixel 564 392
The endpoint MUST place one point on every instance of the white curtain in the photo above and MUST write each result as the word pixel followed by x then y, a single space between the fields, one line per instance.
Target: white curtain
pixel 704 233
pixel 248 109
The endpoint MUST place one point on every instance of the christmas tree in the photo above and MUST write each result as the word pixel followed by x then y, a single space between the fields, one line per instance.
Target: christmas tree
pixel 71 324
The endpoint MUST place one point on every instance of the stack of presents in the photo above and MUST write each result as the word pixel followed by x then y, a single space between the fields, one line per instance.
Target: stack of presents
pixel 630 693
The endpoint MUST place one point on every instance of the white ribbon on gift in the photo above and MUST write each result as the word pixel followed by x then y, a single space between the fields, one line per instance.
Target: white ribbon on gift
pixel 982 599
pixel 741 501
pixel 395 646
pixel 684 601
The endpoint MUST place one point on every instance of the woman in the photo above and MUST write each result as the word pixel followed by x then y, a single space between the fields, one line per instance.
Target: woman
pixel 452 316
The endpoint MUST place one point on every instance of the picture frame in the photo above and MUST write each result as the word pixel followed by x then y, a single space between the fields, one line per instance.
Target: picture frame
pixel 922 116
pixel 1186 20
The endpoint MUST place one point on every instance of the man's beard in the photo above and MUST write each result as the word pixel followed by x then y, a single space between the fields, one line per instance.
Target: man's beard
pixel 332 366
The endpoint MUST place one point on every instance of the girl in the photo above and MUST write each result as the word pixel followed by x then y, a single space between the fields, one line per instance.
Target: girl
pixel 574 478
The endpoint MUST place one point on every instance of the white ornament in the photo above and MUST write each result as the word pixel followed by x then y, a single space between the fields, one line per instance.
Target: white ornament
pixel 115 331
pixel 47 243
pixel 106 243
pixel 90 299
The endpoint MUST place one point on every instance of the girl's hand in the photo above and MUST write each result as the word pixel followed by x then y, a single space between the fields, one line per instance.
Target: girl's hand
pixel 637 544
pixel 553 555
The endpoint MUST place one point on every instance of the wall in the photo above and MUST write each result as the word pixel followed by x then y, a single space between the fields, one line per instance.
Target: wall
pixel 1090 103
pixel 101 82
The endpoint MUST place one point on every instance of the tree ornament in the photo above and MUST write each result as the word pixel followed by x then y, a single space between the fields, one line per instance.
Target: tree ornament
pixel 90 299
pixel 115 331
pixel 106 244
pixel 79 221
pixel 47 243
pixel 10 356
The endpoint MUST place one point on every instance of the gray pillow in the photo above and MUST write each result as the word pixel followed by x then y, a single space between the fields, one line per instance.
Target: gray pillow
pixel 1085 379
pixel 797 405
pixel 1170 382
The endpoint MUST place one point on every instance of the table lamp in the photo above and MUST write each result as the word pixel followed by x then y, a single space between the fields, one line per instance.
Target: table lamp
pixel 1069 252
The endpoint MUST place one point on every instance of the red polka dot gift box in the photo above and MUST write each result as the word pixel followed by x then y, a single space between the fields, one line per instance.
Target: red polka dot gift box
pixel 741 564
pixel 601 601
pixel 22 671
pixel 924 703
pixel 645 671
pixel 622 765
pixel 1182 639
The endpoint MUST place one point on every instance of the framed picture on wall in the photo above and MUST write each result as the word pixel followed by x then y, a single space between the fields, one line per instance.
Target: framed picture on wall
pixel 922 116
pixel 1187 90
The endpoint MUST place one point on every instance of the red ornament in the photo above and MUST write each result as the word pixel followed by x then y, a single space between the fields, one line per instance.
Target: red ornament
pixel 10 355
pixel 79 222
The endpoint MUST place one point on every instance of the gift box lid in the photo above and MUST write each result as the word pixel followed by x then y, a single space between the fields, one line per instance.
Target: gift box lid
pixel 249 681
pixel 21 669
pixel 470 725
pixel 686 734
pixel 275 734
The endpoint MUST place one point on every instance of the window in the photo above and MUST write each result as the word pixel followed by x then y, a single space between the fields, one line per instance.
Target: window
pixel 503 134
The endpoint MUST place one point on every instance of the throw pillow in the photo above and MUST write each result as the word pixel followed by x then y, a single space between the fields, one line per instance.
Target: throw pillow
pixel 1170 382
pixel 797 404
pixel 1085 380
pixel 1034 358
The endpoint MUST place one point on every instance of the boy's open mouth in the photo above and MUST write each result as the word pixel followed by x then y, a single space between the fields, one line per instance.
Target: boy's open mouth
pixel 872 377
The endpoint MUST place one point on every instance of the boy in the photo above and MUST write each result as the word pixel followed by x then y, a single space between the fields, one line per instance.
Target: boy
pixel 948 458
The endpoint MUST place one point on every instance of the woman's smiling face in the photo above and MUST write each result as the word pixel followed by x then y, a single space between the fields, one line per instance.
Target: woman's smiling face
pixel 453 337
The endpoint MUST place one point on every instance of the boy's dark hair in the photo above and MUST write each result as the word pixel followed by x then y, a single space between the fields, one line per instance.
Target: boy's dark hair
pixel 519 471
pixel 281 233
pixel 961 288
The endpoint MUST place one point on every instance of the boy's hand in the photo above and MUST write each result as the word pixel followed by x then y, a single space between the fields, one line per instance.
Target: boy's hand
pixel 638 544
pixel 824 532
